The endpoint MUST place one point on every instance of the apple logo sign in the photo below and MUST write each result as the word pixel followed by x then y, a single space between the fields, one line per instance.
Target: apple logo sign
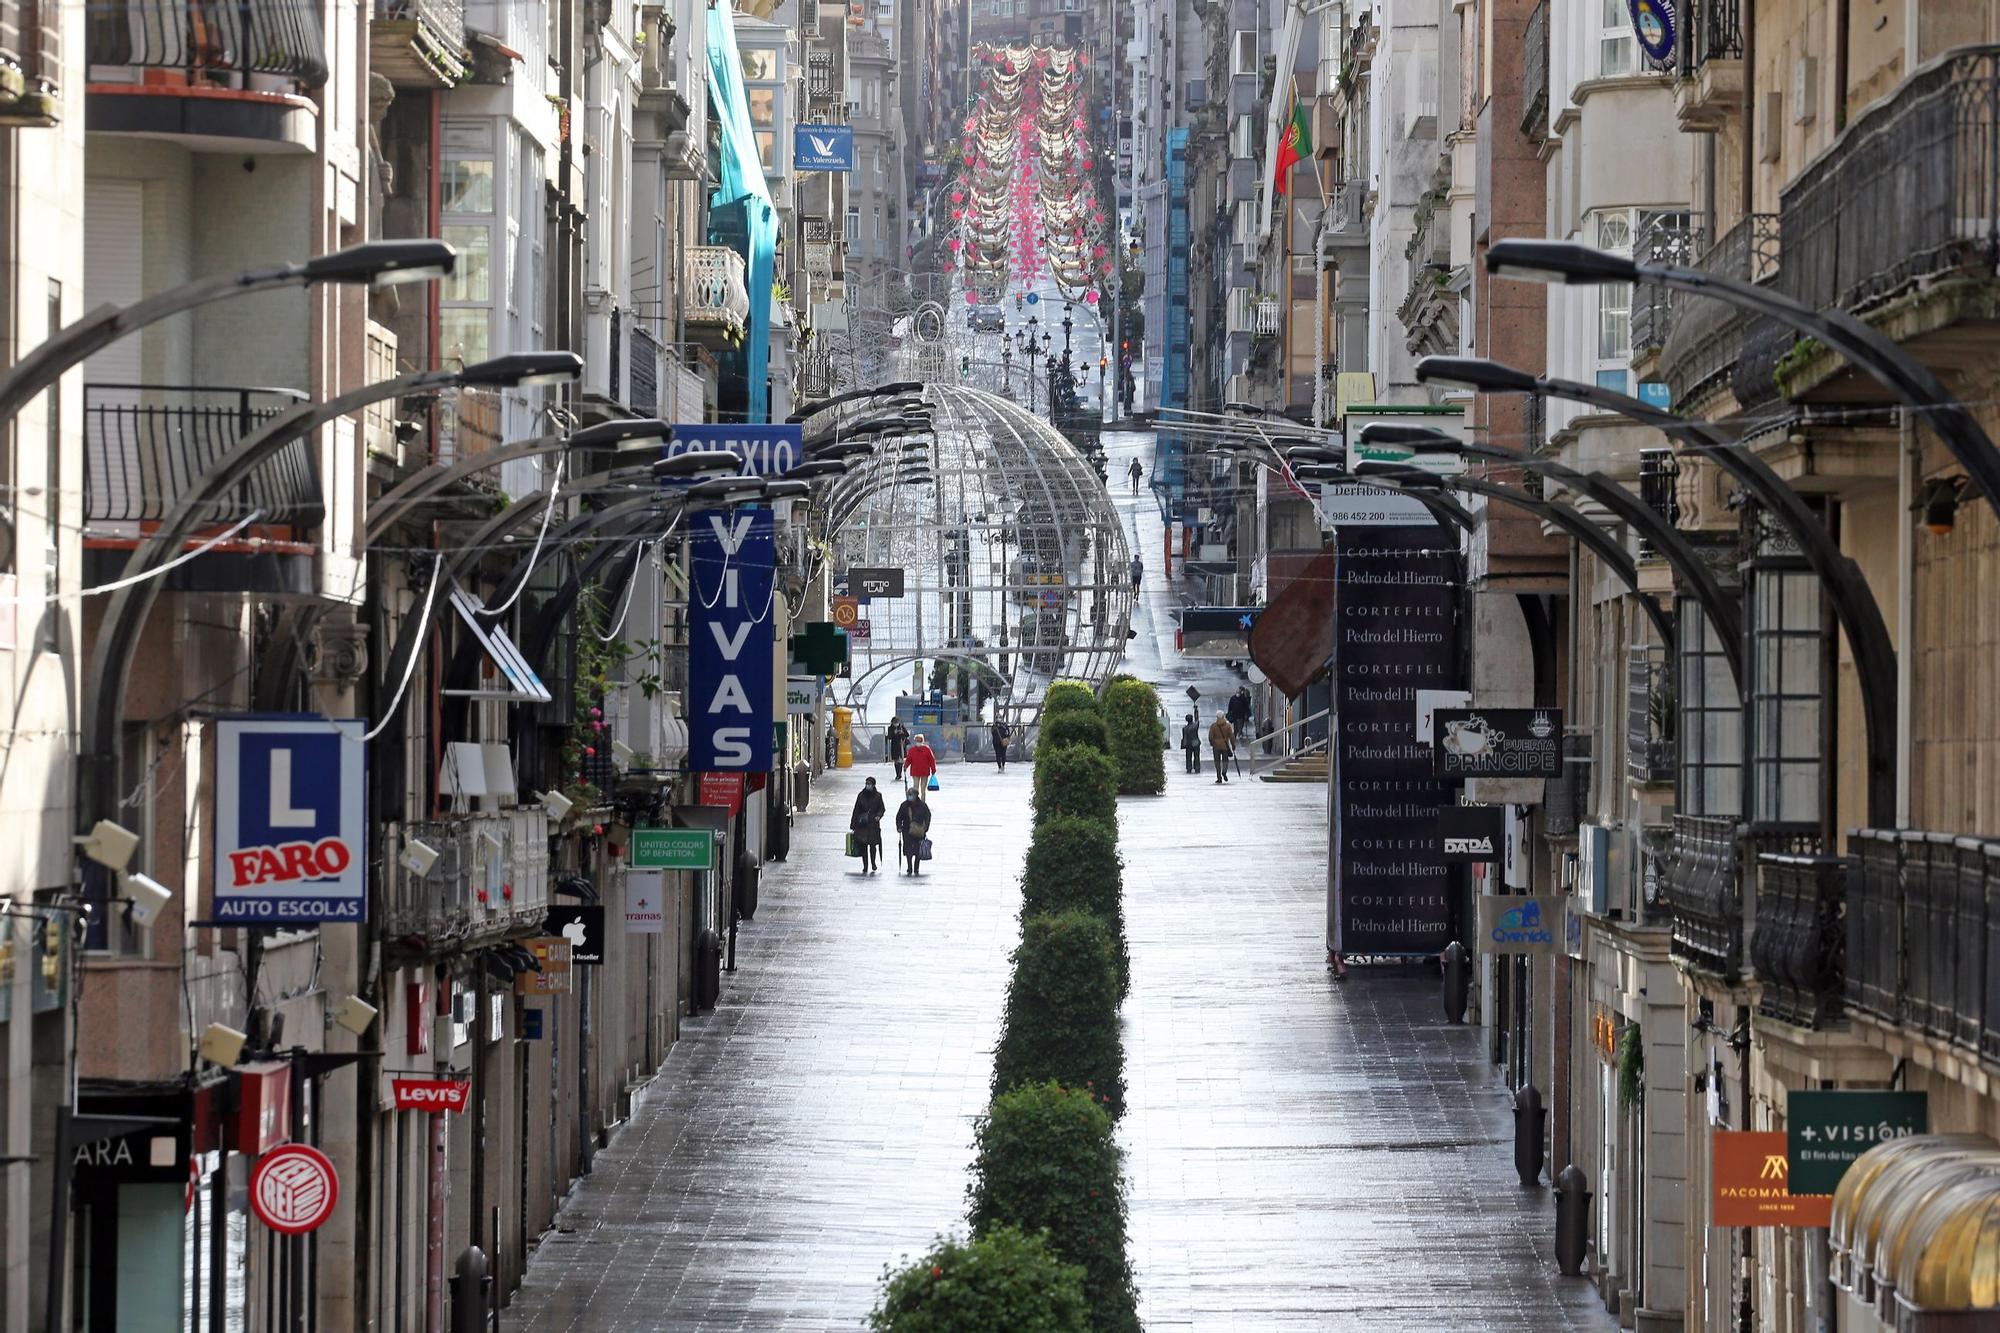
pixel 576 934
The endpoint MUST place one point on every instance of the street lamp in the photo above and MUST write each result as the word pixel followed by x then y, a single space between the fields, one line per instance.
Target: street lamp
pixel 377 263
pixel 1907 378
pixel 855 395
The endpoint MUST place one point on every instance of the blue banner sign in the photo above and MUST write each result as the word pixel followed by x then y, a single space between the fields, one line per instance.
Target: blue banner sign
pixel 291 820
pixel 823 147
pixel 766 451
pixel 731 640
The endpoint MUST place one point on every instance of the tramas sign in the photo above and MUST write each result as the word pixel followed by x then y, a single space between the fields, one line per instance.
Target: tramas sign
pixel 291 832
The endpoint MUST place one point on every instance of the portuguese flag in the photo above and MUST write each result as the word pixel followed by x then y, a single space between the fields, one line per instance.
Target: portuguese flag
pixel 1293 145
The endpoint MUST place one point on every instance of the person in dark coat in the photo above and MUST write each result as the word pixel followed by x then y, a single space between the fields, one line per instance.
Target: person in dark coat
pixel 913 821
pixel 1191 743
pixel 1003 736
pixel 866 825
pixel 898 737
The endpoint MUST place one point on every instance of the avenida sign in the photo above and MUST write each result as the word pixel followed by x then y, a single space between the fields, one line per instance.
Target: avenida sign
pixel 1520 924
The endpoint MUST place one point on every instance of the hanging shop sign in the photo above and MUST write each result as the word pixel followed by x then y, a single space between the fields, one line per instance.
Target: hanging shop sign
pixel 1750 1185
pixel 583 926
pixel 884 582
pixel 263 1116
pixel 291 825
pixel 802 694
pixel 1471 833
pixel 435 1095
pixel 731 640
pixel 294 1189
pixel 823 147
pixel 846 610
pixel 672 849
pixel 766 451
pixel 1653 22
pixel 724 790
pixel 1520 924
pixel 645 902
pixel 1392 888
pixel 1826 1130
pixel 552 954
pixel 1497 742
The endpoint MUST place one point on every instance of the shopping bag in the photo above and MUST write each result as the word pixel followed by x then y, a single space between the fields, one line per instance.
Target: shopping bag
pixel 924 850
pixel 932 784
pixel 853 848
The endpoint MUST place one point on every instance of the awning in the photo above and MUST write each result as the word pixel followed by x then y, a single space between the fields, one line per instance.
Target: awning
pixel 523 685
pixel 1916 1223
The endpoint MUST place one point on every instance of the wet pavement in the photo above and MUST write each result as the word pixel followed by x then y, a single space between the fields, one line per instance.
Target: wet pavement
pixel 1301 1153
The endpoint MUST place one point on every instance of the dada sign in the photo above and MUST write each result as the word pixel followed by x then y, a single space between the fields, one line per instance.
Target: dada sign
pixel 731 641
pixel 291 831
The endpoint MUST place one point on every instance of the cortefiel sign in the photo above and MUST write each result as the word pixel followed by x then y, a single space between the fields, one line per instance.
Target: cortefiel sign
pixel 766 451
pixel 823 147
pixel 1472 833
pixel 731 641
pixel 1497 742
pixel 1526 924
pixel 291 820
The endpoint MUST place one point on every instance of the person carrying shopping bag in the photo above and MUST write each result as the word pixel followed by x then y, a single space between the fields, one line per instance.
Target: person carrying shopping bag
pixel 913 821
pixel 921 763
pixel 865 827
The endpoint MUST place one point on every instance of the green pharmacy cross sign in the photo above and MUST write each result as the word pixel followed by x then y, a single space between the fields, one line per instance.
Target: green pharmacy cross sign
pixel 673 849
pixel 1826 1130
pixel 820 649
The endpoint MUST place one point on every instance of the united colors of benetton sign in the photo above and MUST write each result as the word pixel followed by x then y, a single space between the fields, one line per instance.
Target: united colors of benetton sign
pixel 291 827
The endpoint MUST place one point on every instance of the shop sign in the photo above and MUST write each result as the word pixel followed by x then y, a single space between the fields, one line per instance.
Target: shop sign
pixel 802 695
pixel 766 451
pixel 263 1106
pixel 823 147
pixel 883 582
pixel 1498 742
pixel 724 790
pixel 583 926
pixel 732 633
pixel 291 830
pixel 1604 1033
pixel 1750 1184
pixel 294 1189
pixel 1472 833
pixel 1827 1130
pixel 435 1095
pixel 645 903
pixel 846 610
pixel 1519 925
pixel 672 849
pixel 552 952
pixel 146 1154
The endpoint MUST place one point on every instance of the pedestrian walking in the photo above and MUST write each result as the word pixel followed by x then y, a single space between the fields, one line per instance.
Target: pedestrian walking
pixel 898 738
pixel 921 762
pixel 1222 740
pixel 865 826
pixel 1135 471
pixel 1138 569
pixel 1003 736
pixel 913 822
pixel 1239 708
pixel 1191 743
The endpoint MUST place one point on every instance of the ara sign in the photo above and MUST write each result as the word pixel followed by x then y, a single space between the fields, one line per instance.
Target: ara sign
pixel 291 827
pixel 766 451
pixel 731 641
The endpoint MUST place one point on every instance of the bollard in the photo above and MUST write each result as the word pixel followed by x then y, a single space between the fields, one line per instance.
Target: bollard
pixel 1457 981
pixel 707 971
pixel 747 873
pixel 469 1283
pixel 1572 1219
pixel 1529 1117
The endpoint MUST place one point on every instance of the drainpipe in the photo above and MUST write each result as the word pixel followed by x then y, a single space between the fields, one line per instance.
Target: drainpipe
pixel 1747 17
pixel 1909 459
pixel 434 1211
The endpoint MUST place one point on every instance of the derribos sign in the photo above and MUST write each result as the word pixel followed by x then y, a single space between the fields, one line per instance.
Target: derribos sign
pixel 291 828
pixel 731 640
pixel 766 451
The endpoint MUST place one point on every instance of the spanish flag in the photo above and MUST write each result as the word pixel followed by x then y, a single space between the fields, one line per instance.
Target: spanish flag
pixel 1293 146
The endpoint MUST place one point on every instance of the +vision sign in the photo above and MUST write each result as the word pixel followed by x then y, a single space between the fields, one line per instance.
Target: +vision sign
pixel 731 640
pixel 291 827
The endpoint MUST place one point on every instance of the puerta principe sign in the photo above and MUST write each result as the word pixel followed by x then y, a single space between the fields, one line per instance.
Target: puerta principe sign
pixel 291 827
pixel 1826 1130
pixel 1497 742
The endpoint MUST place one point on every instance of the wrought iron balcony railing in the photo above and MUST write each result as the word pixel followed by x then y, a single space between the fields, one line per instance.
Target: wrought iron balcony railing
pixel 1923 913
pixel 1535 73
pixel 1705 895
pixel 1649 716
pixel 1716 33
pixel 1705 336
pixel 144 445
pixel 235 36
pixel 1659 487
pixel 1664 238
pixel 1800 948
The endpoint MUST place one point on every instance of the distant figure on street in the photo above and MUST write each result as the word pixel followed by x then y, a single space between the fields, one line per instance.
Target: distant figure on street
pixel 921 761
pixel 898 737
pixel 1240 709
pixel 1138 570
pixel 866 825
pixel 1003 736
pixel 913 822
pixel 1134 472
pixel 1191 743
pixel 1221 739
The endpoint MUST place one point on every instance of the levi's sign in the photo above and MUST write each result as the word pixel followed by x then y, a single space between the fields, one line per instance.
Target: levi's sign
pixel 436 1095
pixel 766 451
pixel 291 832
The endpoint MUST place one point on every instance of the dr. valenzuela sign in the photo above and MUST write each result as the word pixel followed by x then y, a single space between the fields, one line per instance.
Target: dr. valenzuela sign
pixel 1497 742
pixel 291 820
pixel 766 451
pixel 731 641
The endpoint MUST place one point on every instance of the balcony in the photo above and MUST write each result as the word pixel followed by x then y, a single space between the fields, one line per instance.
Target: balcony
pixel 1649 716
pixel 1923 934
pixel 144 445
pixel 661 69
pixel 642 385
pixel 1664 238
pixel 1800 947
pixel 1269 318
pixel 1705 897
pixel 238 70
pixel 30 63
pixel 418 43
pixel 1910 192
pixel 718 300
pixel 1704 336
pixel 1535 73
pixel 1347 212
pixel 1710 90
pixel 490 880
pixel 1659 489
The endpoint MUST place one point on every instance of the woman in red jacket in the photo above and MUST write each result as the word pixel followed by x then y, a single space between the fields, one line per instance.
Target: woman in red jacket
pixel 920 761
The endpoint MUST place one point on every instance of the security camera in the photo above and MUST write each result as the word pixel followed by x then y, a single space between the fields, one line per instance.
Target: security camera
pixel 557 804
pixel 110 845
pixel 626 754
pixel 222 1045
pixel 418 857
pixel 355 1014
pixel 146 895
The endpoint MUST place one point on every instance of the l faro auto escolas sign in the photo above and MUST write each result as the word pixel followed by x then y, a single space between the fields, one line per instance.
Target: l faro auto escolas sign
pixel 291 826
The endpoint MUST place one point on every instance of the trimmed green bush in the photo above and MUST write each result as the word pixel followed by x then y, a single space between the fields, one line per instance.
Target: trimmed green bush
pixel 1061 1019
pixel 1075 727
pixel 1073 866
pixel 1046 1161
pixel 1074 780
pixel 1004 1279
pixel 1132 720
pixel 1067 696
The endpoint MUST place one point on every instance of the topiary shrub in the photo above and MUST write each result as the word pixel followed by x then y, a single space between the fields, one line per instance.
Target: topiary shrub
pixel 1075 727
pixel 1004 1279
pixel 1061 1019
pixel 1068 696
pixel 1073 866
pixel 1132 721
pixel 1074 780
pixel 1045 1160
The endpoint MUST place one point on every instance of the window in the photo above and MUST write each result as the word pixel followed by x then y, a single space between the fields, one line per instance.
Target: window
pixel 466 182
pixel 1245 57
pixel 1787 626
pixel 1711 719
pixel 760 66
pixel 1614 306
pixel 854 223
pixel 467 187
pixel 764 89
pixel 1617 46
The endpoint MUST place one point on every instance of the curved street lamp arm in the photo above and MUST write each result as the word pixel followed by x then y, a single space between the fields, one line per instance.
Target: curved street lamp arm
pixel 387 507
